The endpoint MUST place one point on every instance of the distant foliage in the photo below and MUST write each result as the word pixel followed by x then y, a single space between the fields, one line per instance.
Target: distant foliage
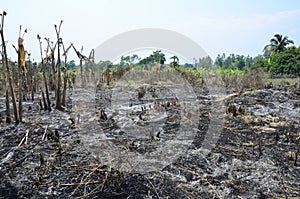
pixel 204 62
pixel 154 58
pixel 286 62
pixel 280 57
pixel 233 61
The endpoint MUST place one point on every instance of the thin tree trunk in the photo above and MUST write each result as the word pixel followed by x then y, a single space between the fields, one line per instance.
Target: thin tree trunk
pixel 32 87
pixel 8 119
pixel 1 78
pixel 52 74
pixel 48 104
pixel 40 103
pixel 63 101
pixel 20 100
pixel 81 72
pixel 44 101
pixel 58 85
pixel 17 120
pixel 47 92
pixel 87 74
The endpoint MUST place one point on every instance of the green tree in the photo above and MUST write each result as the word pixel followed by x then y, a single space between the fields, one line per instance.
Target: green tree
pixel 238 62
pixel 157 56
pixel 71 65
pixel 233 61
pixel 249 61
pixel 220 60
pixel 147 60
pixel 129 60
pixel 205 62
pixel 102 65
pixel 260 62
pixel 190 66
pixel 154 58
pixel 277 44
pixel 133 59
pixel 125 61
pixel 286 62
pixel 175 61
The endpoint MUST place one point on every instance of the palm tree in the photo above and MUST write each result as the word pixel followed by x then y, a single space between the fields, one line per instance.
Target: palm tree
pixel 175 60
pixel 277 44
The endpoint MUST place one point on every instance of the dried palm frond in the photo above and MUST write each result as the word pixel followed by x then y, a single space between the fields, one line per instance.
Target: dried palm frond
pixel 22 53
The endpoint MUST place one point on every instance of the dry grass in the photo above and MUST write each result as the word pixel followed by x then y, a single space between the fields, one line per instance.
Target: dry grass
pixel 251 79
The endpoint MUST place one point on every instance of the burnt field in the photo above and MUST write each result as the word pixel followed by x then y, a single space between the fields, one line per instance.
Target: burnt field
pixel 104 146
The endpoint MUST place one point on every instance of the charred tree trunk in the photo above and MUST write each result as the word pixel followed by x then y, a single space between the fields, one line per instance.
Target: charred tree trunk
pixel 47 102
pixel 66 76
pixel 58 86
pixel 81 73
pixel 87 72
pixel 91 64
pixel 58 65
pixel 20 100
pixel 8 119
pixel 17 120
pixel 2 78
pixel 47 93
pixel 40 103
pixel 21 88
pixel 32 85
pixel 44 101
pixel 44 73
pixel 52 74
pixel 63 101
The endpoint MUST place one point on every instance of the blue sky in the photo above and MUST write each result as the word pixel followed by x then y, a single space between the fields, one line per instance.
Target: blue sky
pixel 218 26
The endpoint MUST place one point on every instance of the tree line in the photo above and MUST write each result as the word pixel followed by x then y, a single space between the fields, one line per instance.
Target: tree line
pixel 280 57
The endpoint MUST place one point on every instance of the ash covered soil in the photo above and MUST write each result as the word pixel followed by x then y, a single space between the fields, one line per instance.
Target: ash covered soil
pixel 103 146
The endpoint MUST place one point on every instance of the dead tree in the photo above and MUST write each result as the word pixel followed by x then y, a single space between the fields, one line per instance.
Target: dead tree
pixel 2 76
pixel 31 77
pixel 51 57
pixel 65 74
pixel 58 65
pixel 107 76
pixel 44 101
pixel 92 64
pixel 8 119
pixel 81 58
pixel 89 67
pixel 44 75
pixel 16 114
pixel 22 71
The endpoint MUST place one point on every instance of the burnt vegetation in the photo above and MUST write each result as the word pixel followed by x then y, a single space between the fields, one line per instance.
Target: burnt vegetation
pixel 54 119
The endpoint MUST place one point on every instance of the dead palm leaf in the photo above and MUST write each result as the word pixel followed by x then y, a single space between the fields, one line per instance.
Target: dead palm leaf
pixel 22 53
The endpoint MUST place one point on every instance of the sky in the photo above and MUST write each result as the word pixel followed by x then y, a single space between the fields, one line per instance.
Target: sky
pixel 218 26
